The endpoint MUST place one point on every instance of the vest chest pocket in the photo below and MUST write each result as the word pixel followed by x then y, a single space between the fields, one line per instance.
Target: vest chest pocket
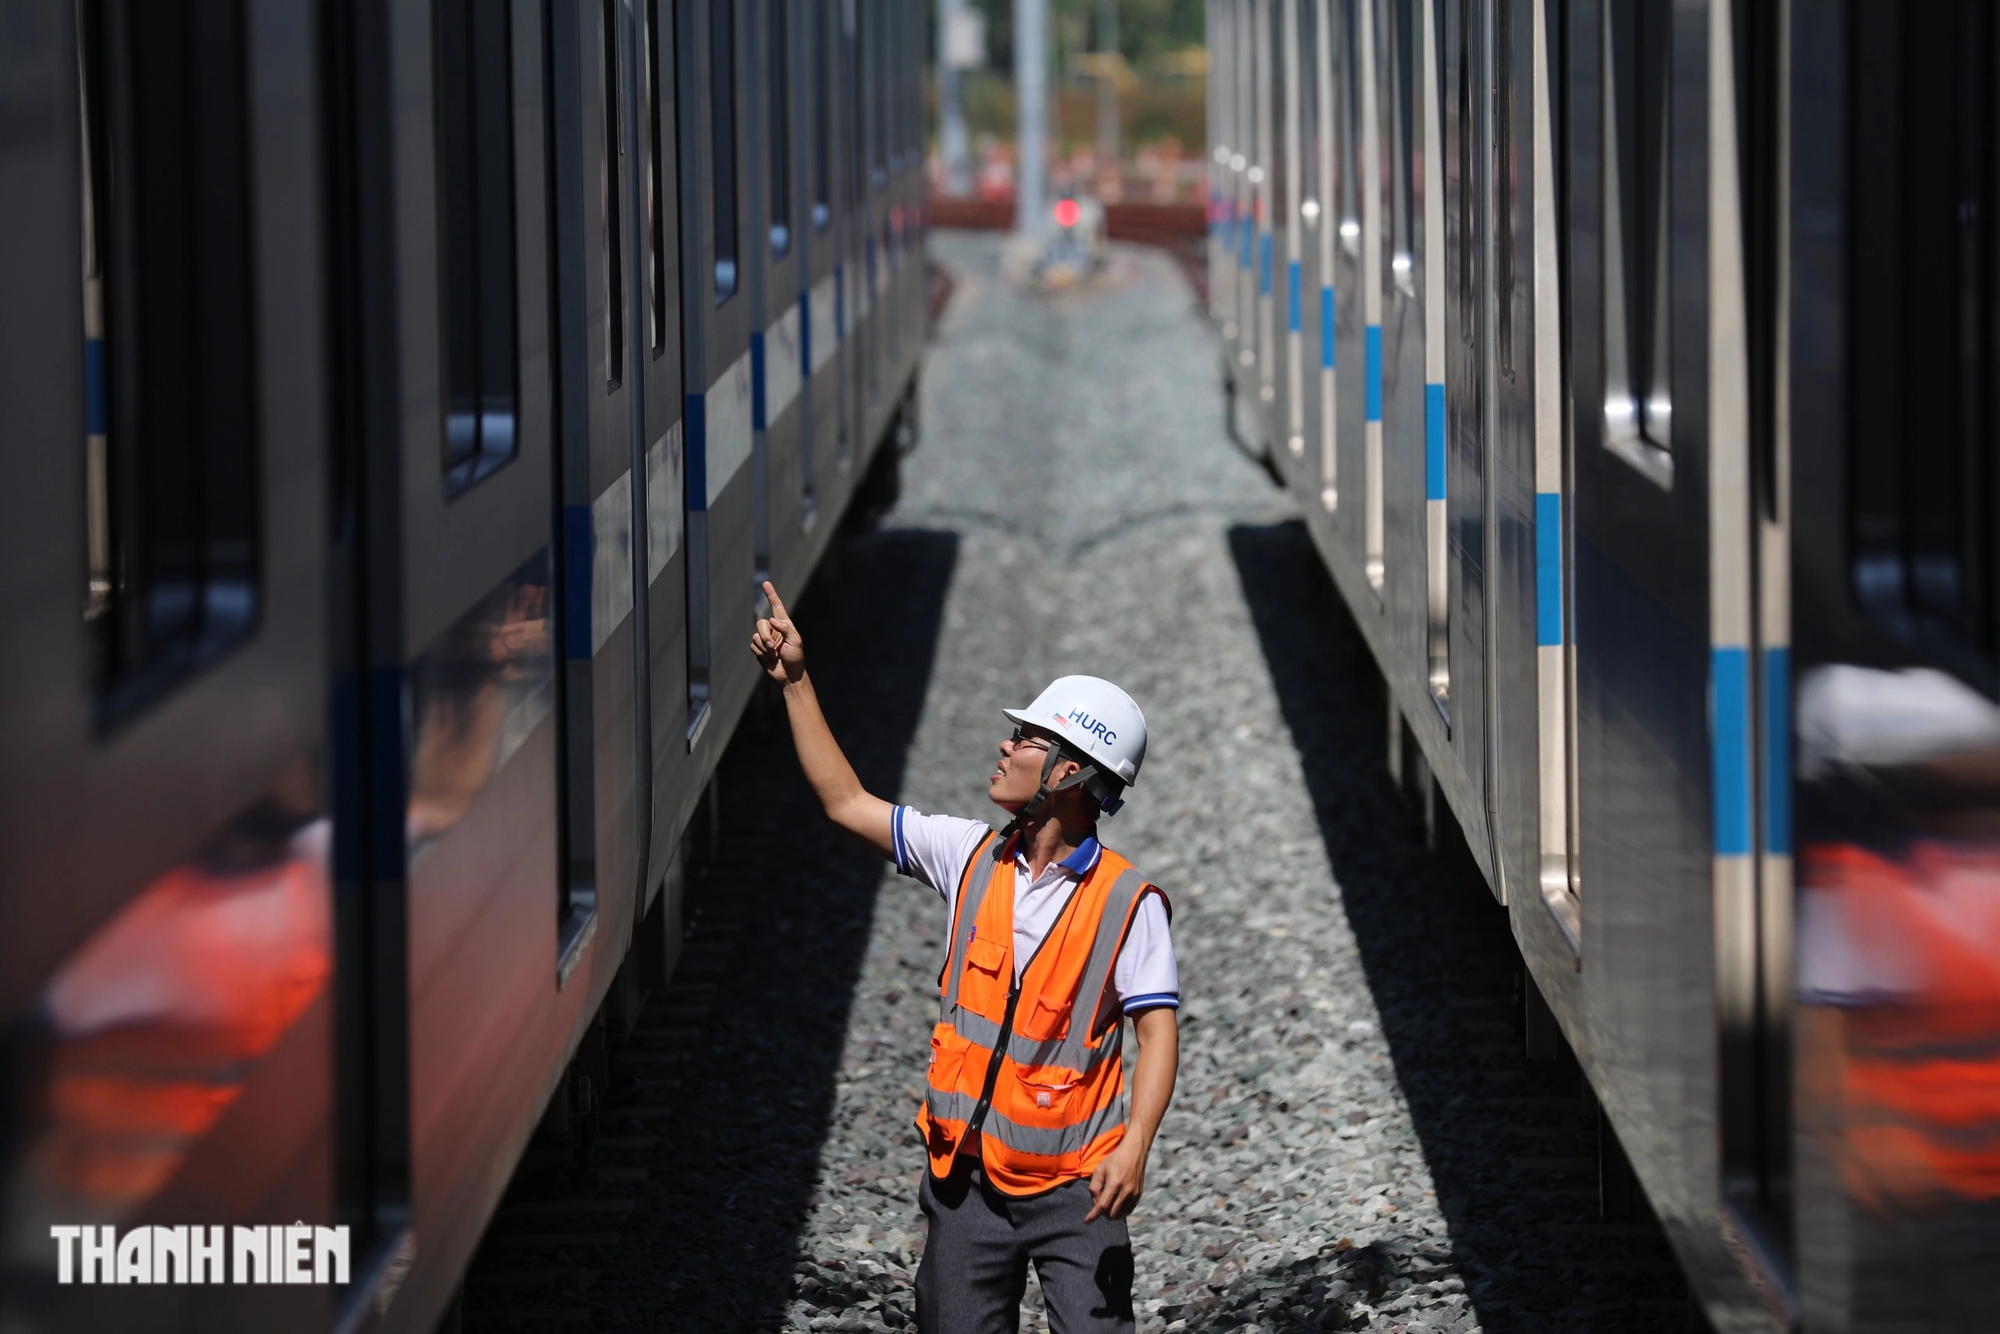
pixel 982 986
pixel 1043 1095
pixel 1045 1019
pixel 947 1057
pixel 988 956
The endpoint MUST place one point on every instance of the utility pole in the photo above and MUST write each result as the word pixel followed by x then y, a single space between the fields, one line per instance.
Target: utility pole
pixel 1107 87
pixel 1031 91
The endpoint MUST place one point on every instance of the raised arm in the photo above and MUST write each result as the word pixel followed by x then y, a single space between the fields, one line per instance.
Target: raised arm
pixel 782 654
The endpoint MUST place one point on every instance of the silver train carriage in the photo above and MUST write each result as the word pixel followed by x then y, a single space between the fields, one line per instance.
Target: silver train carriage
pixel 402 401
pixel 1633 365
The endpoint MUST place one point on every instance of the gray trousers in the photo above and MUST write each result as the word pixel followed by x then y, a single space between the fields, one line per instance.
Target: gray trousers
pixel 975 1265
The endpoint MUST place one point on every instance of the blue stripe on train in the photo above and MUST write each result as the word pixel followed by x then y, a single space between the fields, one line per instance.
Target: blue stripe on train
pixel 1548 566
pixel 1373 346
pixel 1729 695
pixel 1292 292
pixel 1433 442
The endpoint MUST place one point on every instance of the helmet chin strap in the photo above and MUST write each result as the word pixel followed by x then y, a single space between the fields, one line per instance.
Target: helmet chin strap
pixel 1033 810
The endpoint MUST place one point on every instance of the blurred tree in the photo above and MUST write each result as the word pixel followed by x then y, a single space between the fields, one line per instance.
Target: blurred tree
pixel 1146 28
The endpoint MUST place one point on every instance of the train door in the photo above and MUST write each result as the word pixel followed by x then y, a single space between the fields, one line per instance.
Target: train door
pixel 1428 85
pixel 1326 227
pixel 602 349
pixel 861 335
pixel 466 933
pixel 1263 184
pixel 916 269
pixel 1467 179
pixel 1519 415
pixel 713 59
pixel 881 333
pixel 1221 195
pixel 1245 168
pixel 1887 446
pixel 904 26
pixel 822 122
pixel 1750 621
pixel 889 16
pixel 1225 168
pixel 1348 188
pixel 1524 753
pixel 167 936
pixel 1661 557
pixel 1300 215
pixel 1400 494
pixel 1542 135
pixel 781 506
pixel 663 484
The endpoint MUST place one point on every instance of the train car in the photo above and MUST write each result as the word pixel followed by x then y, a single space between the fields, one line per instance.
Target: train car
pixel 403 401
pixel 1631 365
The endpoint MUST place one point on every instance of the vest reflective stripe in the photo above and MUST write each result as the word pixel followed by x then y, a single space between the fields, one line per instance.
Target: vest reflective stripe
pixel 971 892
pixel 983 1032
pixel 1033 1139
pixel 1073 1051
pixel 1056 1103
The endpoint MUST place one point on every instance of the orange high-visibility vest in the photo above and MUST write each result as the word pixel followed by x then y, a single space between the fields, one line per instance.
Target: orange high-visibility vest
pixel 1052 1106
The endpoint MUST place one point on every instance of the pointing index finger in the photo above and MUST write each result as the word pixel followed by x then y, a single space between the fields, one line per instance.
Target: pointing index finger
pixel 778 612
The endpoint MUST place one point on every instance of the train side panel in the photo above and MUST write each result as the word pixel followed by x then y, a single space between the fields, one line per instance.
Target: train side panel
pixel 778 240
pixel 165 759
pixel 1560 584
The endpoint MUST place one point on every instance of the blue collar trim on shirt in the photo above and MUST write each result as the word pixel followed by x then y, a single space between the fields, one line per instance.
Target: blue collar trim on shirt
pixel 1079 863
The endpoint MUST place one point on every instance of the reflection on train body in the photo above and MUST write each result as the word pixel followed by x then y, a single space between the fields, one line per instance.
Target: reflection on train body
pixel 380 396
pixel 1899 964
pixel 477 694
pixel 147 1036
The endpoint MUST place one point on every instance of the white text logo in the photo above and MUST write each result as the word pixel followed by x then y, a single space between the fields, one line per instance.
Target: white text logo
pixel 299 1253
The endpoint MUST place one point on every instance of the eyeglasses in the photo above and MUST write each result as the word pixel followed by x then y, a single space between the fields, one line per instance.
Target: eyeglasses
pixel 1021 738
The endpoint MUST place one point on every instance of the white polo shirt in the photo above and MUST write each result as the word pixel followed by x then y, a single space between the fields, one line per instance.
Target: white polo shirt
pixel 934 849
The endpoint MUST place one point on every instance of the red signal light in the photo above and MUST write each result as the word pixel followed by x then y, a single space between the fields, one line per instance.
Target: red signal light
pixel 1068 212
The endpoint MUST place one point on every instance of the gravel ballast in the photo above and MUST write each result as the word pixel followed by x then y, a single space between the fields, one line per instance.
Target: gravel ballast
pixel 1355 1142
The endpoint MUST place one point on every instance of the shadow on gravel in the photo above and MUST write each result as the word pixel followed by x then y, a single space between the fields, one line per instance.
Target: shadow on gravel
pixel 1509 1156
pixel 754 1023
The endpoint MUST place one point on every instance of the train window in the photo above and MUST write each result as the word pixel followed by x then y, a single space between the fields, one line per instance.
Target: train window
pixel 1638 280
pixel 857 90
pixel 656 181
pixel 1468 325
pixel 1349 172
pixel 780 145
pixel 1311 187
pixel 1402 70
pixel 722 127
pixel 872 32
pixel 822 150
pixel 913 90
pixel 475 157
pixel 614 173
pixel 1924 279
pixel 1504 167
pixel 170 445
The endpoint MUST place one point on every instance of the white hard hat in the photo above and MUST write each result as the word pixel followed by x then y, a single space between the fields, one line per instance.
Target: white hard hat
pixel 1096 719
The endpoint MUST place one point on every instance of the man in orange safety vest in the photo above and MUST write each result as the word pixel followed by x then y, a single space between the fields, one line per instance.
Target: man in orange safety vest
pixel 1037 1148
